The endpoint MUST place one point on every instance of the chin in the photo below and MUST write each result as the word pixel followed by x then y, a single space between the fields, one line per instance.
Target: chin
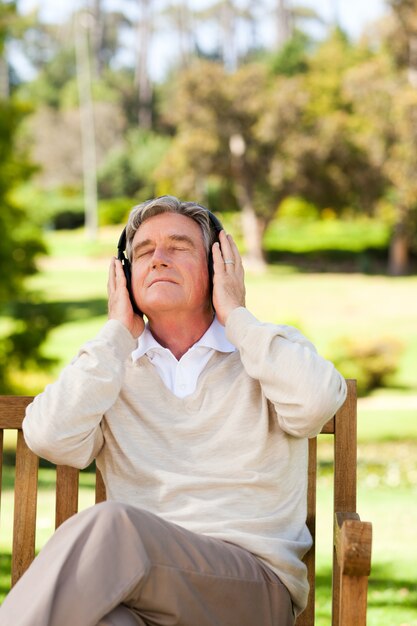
pixel 159 305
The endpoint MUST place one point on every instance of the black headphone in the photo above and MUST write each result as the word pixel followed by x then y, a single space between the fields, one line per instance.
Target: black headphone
pixel 121 248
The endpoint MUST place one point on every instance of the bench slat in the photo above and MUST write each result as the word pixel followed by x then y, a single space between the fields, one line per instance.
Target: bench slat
pixel 307 616
pixel 100 487
pixel 26 489
pixel 66 504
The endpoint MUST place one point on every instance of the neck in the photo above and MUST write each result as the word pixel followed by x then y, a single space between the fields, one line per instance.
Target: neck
pixel 179 332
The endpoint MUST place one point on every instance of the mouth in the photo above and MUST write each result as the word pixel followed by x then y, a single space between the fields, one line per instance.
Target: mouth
pixel 161 280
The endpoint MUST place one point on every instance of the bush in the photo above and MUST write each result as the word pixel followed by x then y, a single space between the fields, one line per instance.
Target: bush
pixel 296 208
pixel 58 208
pixel 370 361
pixel 67 220
pixel 129 170
pixel 114 210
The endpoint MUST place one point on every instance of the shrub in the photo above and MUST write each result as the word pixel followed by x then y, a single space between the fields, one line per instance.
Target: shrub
pixel 114 210
pixel 297 208
pixel 370 361
pixel 56 208
pixel 67 220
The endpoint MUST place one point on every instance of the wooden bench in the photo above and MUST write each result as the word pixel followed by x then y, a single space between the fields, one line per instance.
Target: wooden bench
pixel 352 538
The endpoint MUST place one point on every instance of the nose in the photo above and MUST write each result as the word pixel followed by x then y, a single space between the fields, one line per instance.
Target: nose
pixel 159 258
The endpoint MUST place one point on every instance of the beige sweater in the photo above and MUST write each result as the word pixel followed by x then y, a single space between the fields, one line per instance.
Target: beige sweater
pixel 229 461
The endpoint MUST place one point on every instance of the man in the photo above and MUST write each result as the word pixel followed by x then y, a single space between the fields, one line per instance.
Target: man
pixel 199 429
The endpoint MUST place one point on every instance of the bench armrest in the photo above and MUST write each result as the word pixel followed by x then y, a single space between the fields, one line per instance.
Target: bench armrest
pixel 353 544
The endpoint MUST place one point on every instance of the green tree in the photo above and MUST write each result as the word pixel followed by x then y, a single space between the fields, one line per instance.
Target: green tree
pixel 28 322
pixel 272 136
pixel 336 169
pixel 7 17
pixel 213 112
pixel 401 170
pixel 129 168
pixel 386 101
pixel 292 58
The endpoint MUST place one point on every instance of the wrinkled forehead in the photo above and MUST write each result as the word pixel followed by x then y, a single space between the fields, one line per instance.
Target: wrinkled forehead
pixel 169 226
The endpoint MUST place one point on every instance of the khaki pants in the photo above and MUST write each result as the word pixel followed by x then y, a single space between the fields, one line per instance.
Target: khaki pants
pixel 117 565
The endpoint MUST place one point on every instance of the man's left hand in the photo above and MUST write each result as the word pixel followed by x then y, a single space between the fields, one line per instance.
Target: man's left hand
pixel 228 280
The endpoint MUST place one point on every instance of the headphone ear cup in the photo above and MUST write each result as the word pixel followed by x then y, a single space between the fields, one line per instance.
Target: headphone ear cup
pixel 210 270
pixel 121 247
pixel 217 226
pixel 128 273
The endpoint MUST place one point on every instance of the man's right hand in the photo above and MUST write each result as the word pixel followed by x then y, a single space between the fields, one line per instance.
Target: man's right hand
pixel 120 307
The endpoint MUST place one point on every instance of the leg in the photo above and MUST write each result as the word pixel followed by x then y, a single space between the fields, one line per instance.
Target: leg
pixel 114 553
pixel 195 580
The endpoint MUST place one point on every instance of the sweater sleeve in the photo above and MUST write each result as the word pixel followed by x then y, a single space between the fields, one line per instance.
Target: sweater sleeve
pixel 305 389
pixel 62 424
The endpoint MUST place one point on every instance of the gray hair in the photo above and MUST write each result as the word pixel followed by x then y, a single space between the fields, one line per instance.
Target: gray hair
pixel 169 204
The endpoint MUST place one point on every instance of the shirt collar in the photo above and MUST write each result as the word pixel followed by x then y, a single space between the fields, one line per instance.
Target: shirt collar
pixel 214 338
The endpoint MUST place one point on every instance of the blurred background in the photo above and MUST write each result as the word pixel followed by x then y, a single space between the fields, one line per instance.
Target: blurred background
pixel 296 123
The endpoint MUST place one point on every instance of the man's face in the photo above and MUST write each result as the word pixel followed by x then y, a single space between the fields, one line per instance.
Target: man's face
pixel 169 265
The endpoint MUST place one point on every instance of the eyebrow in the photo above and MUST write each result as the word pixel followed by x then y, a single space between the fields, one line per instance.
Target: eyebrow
pixel 173 237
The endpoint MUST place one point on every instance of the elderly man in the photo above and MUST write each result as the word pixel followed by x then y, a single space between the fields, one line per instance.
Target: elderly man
pixel 199 422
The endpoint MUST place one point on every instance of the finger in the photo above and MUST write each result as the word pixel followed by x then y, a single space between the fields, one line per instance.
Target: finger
pixel 233 247
pixel 119 272
pixel 228 256
pixel 217 258
pixel 111 278
pixel 235 251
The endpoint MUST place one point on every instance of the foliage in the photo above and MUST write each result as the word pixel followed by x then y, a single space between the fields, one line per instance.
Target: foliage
pixel 297 230
pixel 272 136
pixel 297 208
pixel 292 58
pixel 53 207
pixel 129 169
pixel 21 244
pixel 58 154
pixel 47 89
pixel 371 362
pixel 114 210
pixel 384 99
pixel 329 121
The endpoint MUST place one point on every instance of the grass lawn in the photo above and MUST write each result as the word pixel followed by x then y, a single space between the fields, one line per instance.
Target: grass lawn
pixel 326 307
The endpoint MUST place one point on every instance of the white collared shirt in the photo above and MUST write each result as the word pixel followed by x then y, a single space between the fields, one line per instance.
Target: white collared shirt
pixel 181 376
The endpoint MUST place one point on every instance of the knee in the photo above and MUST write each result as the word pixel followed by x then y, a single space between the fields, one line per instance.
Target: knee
pixel 106 517
pixel 114 512
pixel 110 508
pixel 115 523
pixel 110 513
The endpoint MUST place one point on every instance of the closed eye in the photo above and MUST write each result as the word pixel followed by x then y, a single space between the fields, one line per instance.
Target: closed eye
pixel 180 248
pixel 181 242
pixel 139 254
pixel 176 243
